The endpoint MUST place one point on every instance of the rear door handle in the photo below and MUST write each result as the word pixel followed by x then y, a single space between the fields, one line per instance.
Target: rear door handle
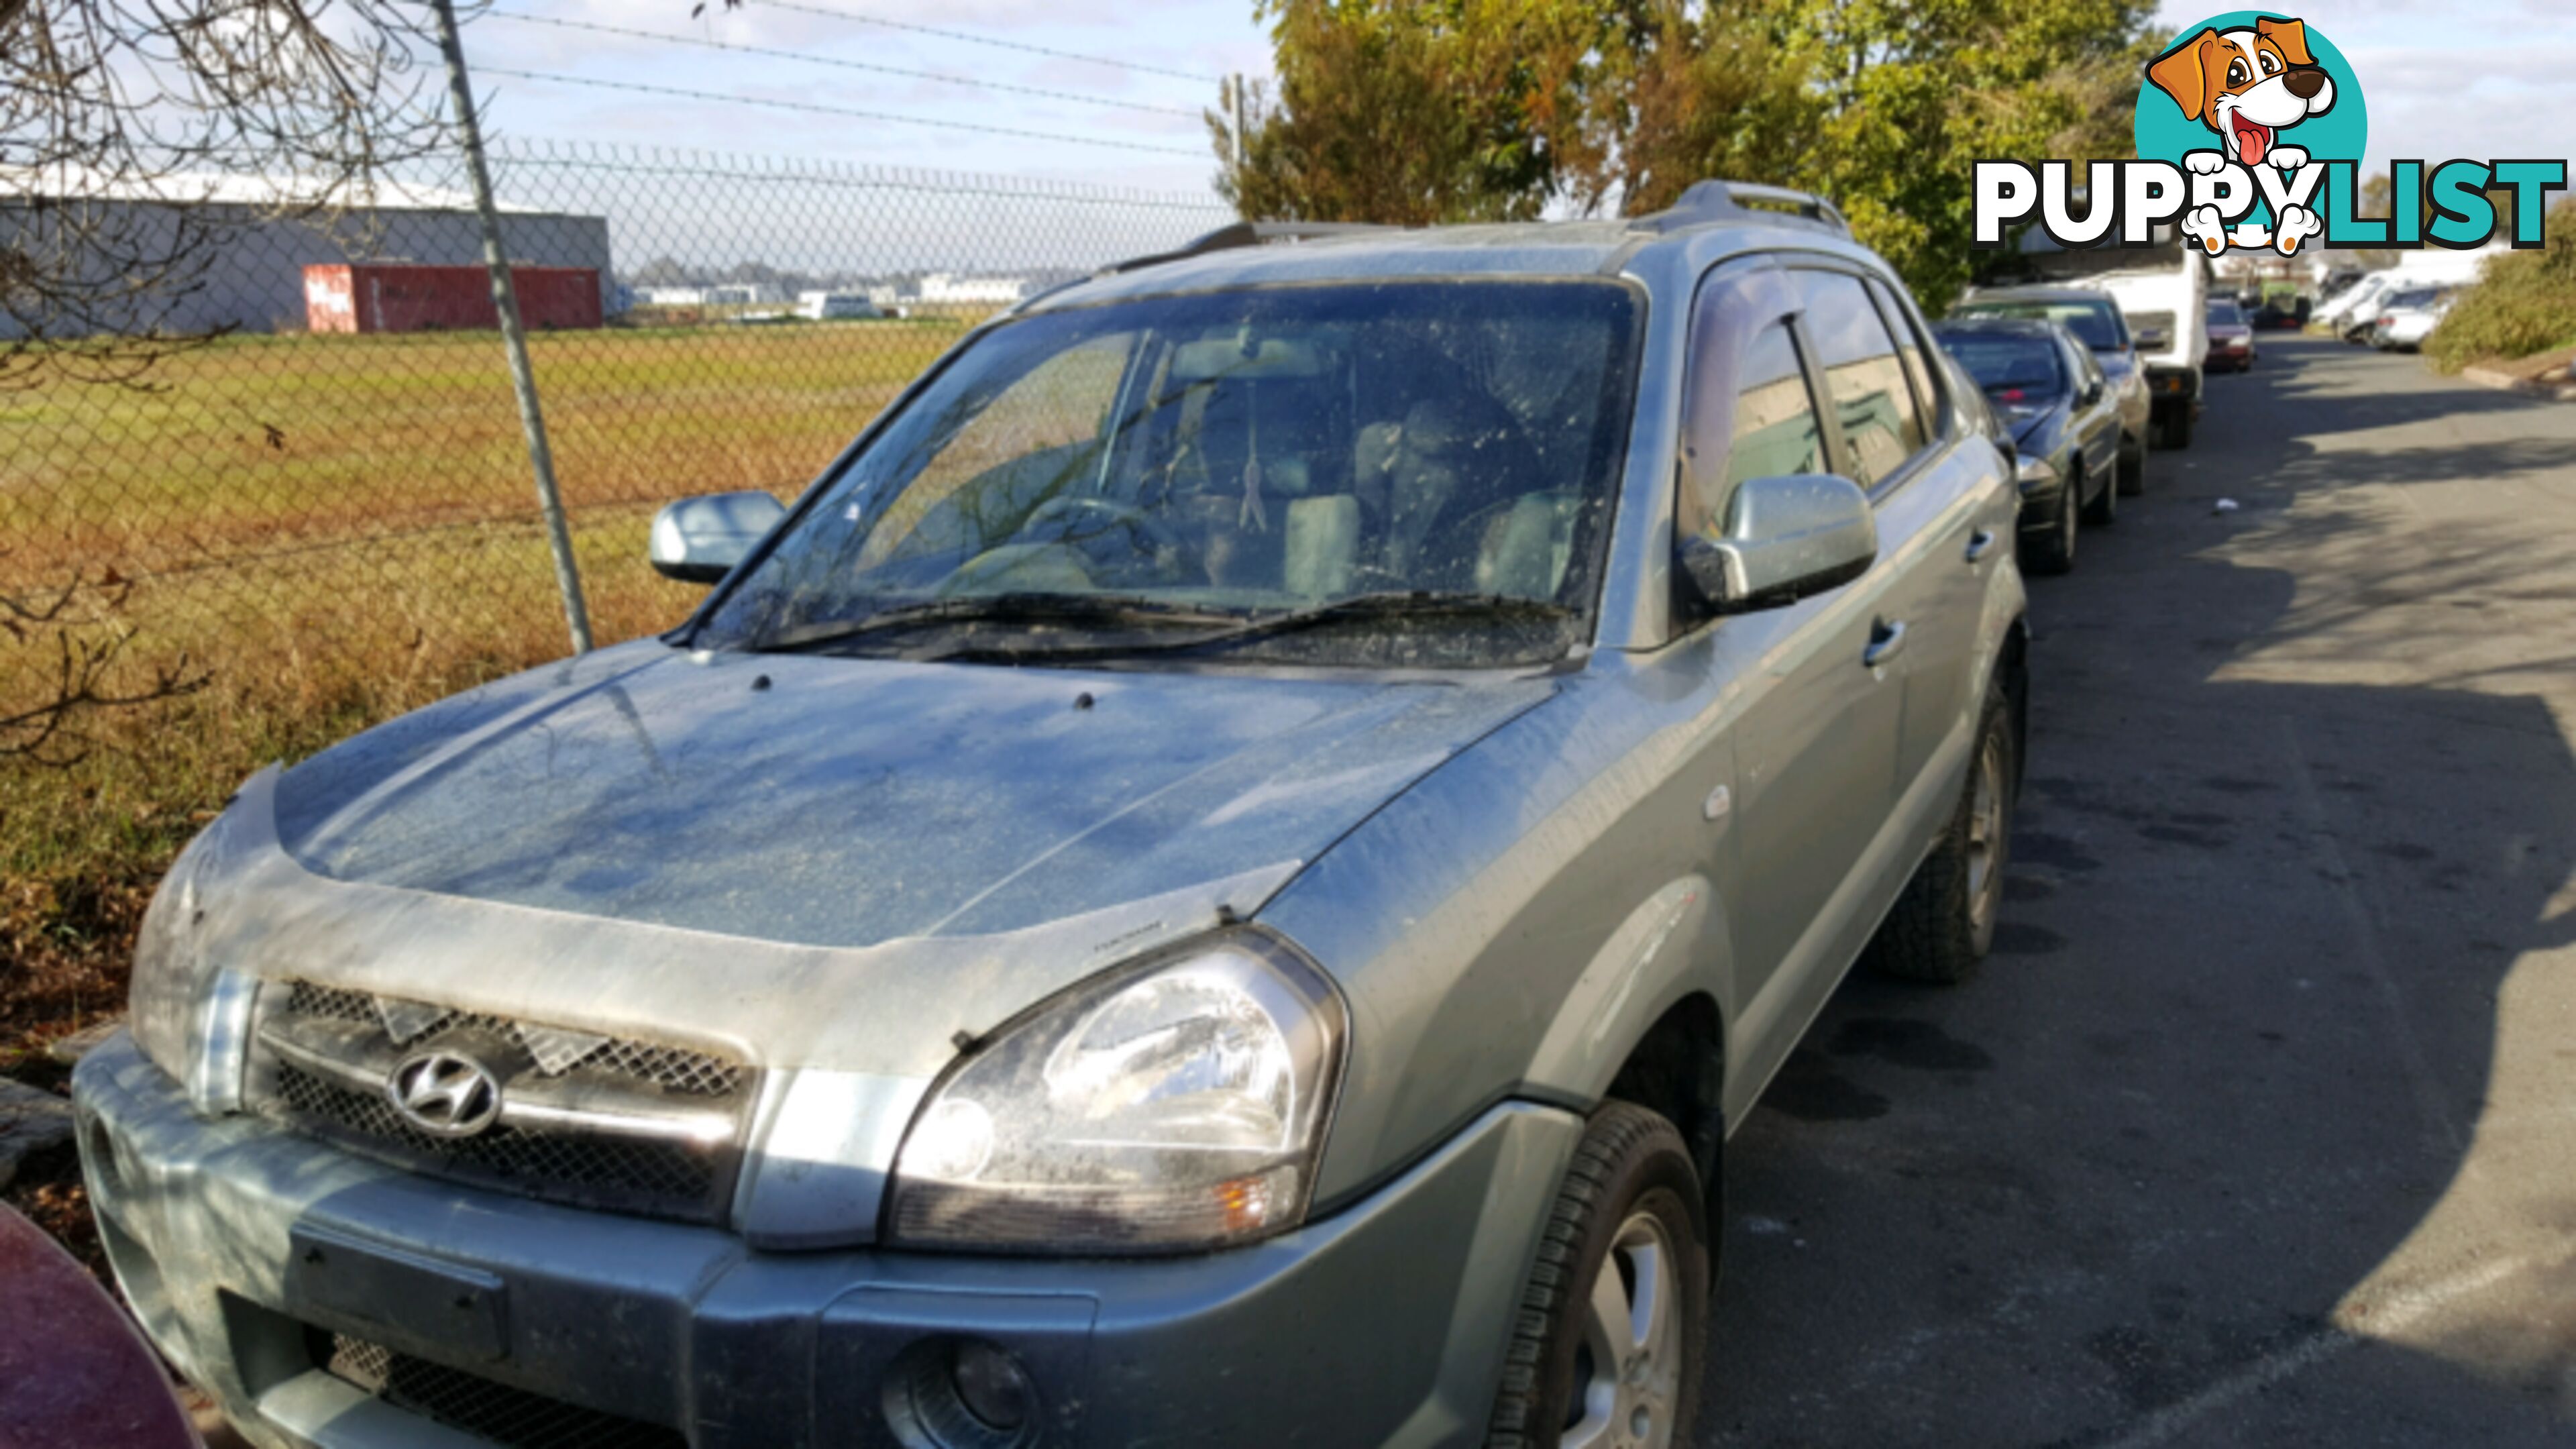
pixel 1979 542
pixel 1886 641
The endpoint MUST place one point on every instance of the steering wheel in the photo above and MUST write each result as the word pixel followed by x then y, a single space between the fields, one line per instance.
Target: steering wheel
pixel 1109 511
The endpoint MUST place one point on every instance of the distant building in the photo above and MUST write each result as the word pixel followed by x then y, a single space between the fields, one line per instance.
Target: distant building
pixel 949 287
pixel 741 294
pixel 670 296
pixel 827 306
pixel 254 277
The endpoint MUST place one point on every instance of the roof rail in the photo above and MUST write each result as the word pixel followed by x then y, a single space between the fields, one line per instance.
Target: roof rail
pixel 1707 201
pixel 1245 234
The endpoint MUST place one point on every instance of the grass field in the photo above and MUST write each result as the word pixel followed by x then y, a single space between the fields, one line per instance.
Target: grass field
pixel 334 529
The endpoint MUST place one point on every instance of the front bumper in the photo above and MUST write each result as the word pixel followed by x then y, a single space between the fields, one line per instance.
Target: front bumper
pixel 245 1249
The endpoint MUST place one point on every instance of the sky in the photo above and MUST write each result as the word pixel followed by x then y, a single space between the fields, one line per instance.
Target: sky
pixel 2490 80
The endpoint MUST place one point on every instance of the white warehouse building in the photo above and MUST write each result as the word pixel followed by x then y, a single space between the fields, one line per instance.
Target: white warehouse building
pixel 252 279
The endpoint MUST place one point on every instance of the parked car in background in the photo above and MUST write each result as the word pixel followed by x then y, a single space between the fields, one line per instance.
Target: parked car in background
pixel 2408 317
pixel 2353 301
pixel 2094 318
pixel 2231 338
pixel 2046 389
pixel 1224 875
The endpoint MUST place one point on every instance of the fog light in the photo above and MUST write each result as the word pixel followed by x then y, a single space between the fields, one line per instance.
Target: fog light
pixel 993 1386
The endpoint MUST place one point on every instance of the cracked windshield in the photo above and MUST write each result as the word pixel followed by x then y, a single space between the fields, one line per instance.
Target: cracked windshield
pixel 1409 474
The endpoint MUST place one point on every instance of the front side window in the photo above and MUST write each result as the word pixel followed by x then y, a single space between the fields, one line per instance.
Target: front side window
pixel 1383 473
pixel 1881 427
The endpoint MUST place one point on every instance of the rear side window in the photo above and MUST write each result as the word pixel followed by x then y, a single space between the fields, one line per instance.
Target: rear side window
pixel 1776 428
pixel 1880 423
pixel 1909 346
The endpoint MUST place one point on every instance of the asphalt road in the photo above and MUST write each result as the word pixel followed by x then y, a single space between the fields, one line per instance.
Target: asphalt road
pixel 2260 1126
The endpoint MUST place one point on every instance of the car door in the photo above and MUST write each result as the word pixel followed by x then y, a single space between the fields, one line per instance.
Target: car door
pixel 1797 768
pixel 2097 423
pixel 1940 533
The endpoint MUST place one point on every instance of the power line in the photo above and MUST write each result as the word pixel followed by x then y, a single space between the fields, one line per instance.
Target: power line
pixel 999 44
pixel 954 80
pixel 721 98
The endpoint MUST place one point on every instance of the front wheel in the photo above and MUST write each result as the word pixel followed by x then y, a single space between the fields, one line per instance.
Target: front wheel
pixel 2133 467
pixel 2103 508
pixel 1605 1350
pixel 2054 551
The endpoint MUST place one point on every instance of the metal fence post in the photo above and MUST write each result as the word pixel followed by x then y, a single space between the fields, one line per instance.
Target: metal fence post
pixel 514 337
pixel 1236 91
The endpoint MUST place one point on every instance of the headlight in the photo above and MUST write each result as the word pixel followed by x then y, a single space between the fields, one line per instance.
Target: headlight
pixel 1173 1105
pixel 166 987
pixel 2036 470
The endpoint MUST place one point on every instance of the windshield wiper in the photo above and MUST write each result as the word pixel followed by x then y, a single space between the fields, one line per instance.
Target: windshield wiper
pixel 1416 604
pixel 1010 608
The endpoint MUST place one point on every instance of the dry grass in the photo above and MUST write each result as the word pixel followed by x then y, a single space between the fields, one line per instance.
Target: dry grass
pixel 339 529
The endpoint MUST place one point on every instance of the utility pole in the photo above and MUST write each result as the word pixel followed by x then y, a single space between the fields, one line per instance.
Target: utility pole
pixel 1237 92
pixel 514 335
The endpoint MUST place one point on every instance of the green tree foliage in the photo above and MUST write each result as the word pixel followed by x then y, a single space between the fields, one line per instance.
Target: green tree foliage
pixel 2524 302
pixel 1415 111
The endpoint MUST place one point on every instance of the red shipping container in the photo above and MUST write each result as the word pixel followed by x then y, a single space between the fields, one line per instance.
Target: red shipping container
pixel 384 297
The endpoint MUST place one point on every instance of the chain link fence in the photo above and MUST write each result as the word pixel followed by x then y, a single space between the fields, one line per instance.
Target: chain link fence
pixel 344 521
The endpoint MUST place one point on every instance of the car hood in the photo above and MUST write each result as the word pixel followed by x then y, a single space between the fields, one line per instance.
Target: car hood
pixel 828 861
pixel 2037 432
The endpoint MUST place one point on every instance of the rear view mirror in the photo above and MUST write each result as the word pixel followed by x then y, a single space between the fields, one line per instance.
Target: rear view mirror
pixel 1784 538
pixel 699 540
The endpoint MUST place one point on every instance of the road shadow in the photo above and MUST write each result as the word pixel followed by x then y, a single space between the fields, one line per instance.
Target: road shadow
pixel 2216 1149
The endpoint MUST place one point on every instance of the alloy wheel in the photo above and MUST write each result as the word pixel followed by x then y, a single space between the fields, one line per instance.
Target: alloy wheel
pixel 1628 1372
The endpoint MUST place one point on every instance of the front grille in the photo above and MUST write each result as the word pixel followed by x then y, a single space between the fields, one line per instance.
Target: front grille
pixel 665 1177
pixel 673 1069
pixel 338 1096
pixel 478 1406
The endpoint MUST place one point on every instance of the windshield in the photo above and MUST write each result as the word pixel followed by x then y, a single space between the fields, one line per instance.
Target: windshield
pixel 2422 298
pixel 2010 368
pixel 2226 314
pixel 1216 459
pixel 2096 323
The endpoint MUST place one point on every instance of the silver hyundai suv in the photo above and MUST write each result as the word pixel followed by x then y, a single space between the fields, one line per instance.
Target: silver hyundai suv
pixel 1223 876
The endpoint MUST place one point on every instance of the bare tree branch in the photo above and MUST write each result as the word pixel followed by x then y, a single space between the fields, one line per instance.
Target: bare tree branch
pixel 129 127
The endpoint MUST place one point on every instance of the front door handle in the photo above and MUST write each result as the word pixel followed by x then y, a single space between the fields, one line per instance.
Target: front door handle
pixel 1886 641
pixel 1979 542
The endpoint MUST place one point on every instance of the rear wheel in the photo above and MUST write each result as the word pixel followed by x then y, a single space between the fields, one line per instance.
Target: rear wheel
pixel 1613 1322
pixel 1945 922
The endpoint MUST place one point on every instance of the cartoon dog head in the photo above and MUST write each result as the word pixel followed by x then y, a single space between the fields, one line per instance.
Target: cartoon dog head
pixel 2247 85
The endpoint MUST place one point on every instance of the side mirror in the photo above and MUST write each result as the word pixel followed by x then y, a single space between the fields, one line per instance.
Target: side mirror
pixel 1784 538
pixel 699 540
pixel 2092 393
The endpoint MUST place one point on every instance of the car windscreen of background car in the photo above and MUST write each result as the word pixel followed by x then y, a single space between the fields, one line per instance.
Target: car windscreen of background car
pixel 2096 324
pixel 2226 314
pixel 2011 369
pixel 1247 451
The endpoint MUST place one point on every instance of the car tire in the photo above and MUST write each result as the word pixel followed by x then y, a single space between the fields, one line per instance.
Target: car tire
pixel 2103 508
pixel 2133 467
pixel 2053 553
pixel 1628 1212
pixel 2177 428
pixel 1944 923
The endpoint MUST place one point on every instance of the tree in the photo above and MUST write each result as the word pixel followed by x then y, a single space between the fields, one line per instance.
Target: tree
pixel 108 103
pixel 1456 110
